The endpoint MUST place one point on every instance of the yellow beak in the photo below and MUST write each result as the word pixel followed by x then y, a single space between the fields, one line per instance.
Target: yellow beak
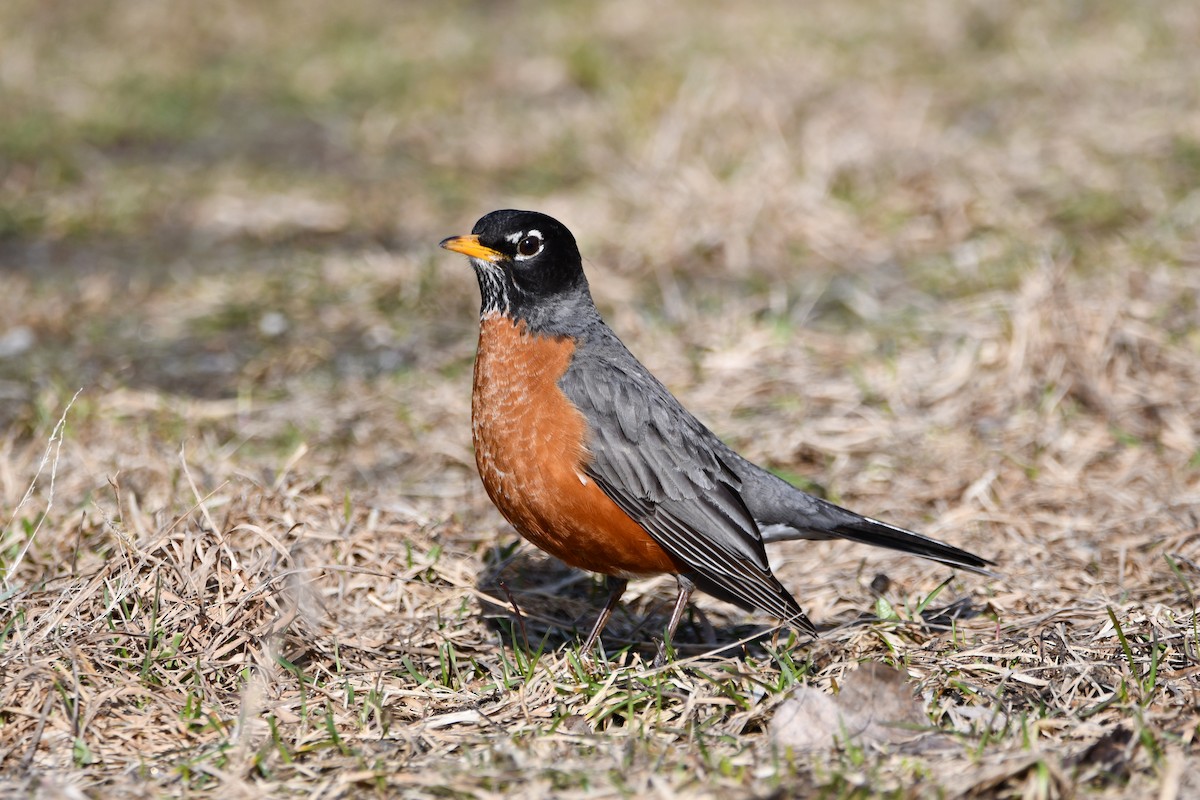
pixel 470 246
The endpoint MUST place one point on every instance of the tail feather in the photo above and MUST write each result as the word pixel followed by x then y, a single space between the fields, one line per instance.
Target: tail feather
pixel 880 534
pixel 865 530
pixel 784 513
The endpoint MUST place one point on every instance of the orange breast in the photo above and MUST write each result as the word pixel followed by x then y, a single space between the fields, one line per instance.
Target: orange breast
pixel 531 450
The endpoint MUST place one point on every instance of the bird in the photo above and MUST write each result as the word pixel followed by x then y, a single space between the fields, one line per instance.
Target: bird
pixel 593 460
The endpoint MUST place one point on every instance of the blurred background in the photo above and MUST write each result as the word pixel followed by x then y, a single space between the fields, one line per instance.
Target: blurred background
pixel 178 175
pixel 240 203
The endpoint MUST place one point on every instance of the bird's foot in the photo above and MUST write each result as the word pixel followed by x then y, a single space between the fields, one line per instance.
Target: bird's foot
pixel 660 653
pixel 594 661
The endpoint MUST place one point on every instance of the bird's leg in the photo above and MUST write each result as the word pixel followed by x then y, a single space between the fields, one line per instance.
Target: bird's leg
pixel 686 587
pixel 618 588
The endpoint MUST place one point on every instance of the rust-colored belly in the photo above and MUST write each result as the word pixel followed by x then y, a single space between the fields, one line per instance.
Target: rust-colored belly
pixel 531 449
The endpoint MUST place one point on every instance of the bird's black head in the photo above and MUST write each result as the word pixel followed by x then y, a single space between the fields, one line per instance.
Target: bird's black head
pixel 528 268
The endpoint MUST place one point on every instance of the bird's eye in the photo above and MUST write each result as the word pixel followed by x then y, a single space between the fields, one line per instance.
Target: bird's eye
pixel 530 246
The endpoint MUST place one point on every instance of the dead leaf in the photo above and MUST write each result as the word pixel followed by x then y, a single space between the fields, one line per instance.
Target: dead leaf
pixel 875 706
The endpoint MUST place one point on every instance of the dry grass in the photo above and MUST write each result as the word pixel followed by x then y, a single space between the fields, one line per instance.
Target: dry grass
pixel 937 261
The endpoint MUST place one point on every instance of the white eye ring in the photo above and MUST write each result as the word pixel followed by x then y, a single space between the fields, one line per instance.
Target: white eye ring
pixel 522 239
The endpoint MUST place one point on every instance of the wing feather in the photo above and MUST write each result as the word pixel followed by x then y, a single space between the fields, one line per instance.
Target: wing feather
pixel 661 466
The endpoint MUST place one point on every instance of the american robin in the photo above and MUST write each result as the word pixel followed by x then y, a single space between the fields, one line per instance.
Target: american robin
pixel 591 458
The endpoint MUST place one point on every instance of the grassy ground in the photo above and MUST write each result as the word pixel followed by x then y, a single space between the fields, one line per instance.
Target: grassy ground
pixel 938 261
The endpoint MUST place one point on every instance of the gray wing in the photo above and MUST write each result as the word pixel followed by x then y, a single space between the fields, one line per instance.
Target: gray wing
pixel 668 472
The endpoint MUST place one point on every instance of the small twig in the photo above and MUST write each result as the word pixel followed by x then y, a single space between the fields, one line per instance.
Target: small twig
pixel 517 611
pixel 27 761
pixel 55 445
pixel 200 502
pixel 78 541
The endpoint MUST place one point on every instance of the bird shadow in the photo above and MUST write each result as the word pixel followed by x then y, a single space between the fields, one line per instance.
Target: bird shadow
pixel 536 603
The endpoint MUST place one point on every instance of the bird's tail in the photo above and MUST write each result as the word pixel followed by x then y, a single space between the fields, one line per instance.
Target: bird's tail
pixel 855 528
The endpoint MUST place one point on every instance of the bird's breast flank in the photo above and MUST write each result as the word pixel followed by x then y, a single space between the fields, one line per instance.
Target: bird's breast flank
pixel 521 421
pixel 531 451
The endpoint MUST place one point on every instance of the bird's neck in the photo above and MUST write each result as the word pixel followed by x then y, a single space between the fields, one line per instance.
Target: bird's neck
pixel 495 291
pixel 567 313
